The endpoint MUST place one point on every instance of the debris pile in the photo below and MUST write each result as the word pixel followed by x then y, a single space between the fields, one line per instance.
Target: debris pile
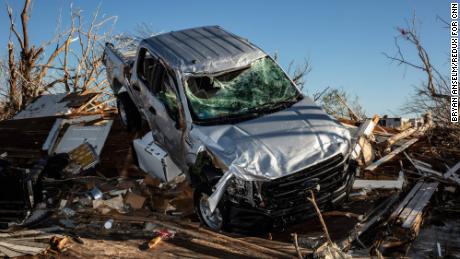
pixel 409 171
pixel 70 182
pixel 32 242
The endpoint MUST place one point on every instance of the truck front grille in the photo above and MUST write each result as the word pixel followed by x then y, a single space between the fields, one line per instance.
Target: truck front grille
pixel 290 191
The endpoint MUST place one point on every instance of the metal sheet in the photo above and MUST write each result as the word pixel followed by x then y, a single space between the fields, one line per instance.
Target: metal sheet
pixel 44 106
pixel 77 135
pixel 154 160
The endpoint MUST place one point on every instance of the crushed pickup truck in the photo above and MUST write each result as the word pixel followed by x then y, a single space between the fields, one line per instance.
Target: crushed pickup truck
pixel 251 145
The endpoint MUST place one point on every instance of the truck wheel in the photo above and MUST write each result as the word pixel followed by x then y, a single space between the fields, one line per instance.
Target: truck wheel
pixel 215 220
pixel 128 113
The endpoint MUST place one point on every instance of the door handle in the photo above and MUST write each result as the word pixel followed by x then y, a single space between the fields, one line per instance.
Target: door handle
pixel 136 87
pixel 152 110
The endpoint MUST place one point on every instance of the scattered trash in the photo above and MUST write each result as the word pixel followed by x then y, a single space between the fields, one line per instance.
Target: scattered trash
pixel 105 206
pixel 96 194
pixel 161 235
pixel 330 251
pixel 149 226
pixel 155 241
pixel 68 212
pixel 62 204
pixel 60 243
pixel 108 224
pixel 84 156
pixel 134 200
pixel 439 250
pixel 27 242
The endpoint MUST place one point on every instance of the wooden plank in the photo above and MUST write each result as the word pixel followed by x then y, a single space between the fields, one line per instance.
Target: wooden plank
pixel 429 171
pixel 25 243
pixel 422 163
pixel 102 103
pixel 40 237
pixel 29 232
pixel 22 248
pixel 364 131
pixel 410 206
pixel 419 207
pixel 380 184
pixel 452 170
pixel 10 253
pixel 406 200
pixel 392 154
pixel 281 246
pixel 404 134
pixel 413 163
pixel 88 103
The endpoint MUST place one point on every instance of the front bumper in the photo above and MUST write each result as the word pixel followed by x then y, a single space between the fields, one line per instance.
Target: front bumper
pixel 285 199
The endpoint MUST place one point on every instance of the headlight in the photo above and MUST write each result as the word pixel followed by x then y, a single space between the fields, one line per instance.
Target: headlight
pixel 245 191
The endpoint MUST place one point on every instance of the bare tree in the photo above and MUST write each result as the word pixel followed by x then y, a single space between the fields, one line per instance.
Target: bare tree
pixel 300 72
pixel 338 103
pixel 433 94
pixel 73 64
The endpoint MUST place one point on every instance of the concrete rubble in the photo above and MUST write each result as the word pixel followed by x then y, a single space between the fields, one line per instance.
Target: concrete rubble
pixel 77 185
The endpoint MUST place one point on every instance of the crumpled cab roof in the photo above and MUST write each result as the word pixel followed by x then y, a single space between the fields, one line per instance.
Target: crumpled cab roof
pixel 208 49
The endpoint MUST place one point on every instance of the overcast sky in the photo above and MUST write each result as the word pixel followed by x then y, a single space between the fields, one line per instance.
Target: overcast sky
pixel 343 40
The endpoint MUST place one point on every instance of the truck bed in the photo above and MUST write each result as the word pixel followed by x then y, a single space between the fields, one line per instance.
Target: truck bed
pixel 118 65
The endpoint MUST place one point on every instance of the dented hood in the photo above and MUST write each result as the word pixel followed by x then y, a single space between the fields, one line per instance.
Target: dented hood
pixel 277 144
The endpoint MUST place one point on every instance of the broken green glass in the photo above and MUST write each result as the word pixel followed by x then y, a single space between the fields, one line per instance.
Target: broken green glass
pixel 235 93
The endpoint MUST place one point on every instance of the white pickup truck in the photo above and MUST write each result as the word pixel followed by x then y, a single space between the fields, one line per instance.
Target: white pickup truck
pixel 250 143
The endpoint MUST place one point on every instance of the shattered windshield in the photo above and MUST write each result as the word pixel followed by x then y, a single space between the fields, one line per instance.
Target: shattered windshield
pixel 259 87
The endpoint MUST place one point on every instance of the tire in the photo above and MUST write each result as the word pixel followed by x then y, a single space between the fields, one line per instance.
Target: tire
pixel 128 113
pixel 215 221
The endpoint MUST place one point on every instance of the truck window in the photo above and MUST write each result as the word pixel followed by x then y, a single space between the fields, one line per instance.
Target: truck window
pixel 145 66
pixel 168 97
pixel 256 88
pixel 157 80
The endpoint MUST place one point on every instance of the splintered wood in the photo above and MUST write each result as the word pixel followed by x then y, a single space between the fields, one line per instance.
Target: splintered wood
pixel 408 216
pixel 362 146
pixel 392 154
pixel 28 242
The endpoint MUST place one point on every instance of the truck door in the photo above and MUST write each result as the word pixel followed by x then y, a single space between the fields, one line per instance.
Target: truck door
pixel 144 71
pixel 161 107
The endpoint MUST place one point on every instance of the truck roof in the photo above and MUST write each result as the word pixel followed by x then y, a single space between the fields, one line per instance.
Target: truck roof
pixel 208 49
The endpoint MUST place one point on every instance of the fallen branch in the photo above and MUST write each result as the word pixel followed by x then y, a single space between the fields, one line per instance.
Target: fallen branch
pixel 320 217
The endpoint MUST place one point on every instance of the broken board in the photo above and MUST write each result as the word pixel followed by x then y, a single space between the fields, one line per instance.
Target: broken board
pixel 408 216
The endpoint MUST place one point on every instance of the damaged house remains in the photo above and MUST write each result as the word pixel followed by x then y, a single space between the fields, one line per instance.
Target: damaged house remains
pixel 198 144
